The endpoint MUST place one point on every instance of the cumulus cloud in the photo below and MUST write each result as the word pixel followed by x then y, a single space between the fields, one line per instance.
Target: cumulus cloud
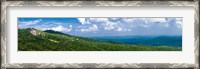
pixel 120 29
pixel 83 21
pixel 179 22
pixel 175 22
pixel 61 28
pixel 110 25
pixel 115 26
pixel 92 28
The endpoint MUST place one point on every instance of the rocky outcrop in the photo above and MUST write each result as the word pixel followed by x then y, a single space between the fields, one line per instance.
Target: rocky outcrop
pixel 34 31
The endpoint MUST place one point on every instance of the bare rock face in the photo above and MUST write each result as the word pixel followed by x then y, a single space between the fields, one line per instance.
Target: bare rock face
pixel 34 32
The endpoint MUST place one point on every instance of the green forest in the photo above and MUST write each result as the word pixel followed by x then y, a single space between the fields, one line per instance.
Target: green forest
pixel 36 40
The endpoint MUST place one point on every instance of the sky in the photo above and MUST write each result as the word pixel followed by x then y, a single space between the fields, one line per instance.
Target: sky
pixel 93 27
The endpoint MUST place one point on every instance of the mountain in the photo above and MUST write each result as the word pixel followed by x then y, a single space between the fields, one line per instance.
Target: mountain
pixel 175 41
pixel 55 32
pixel 36 40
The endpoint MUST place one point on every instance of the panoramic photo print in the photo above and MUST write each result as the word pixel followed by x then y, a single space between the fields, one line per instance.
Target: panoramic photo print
pixel 100 34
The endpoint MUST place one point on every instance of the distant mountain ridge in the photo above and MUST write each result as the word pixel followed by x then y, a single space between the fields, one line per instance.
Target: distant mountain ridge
pixel 35 40
pixel 55 32
pixel 146 40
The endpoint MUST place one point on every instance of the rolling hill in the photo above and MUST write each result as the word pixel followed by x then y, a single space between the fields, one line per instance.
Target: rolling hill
pixel 35 40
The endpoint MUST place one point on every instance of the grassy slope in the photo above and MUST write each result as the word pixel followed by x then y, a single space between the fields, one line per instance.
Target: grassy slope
pixel 60 42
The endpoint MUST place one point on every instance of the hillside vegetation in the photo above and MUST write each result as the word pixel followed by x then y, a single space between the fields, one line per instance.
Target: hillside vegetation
pixel 35 40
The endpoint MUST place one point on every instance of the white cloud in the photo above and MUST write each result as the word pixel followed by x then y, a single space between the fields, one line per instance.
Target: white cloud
pixel 98 20
pixel 70 26
pixel 61 28
pixel 179 22
pixel 83 21
pixel 119 29
pixel 93 28
pixel 104 23
pixel 115 26
pixel 27 23
pixel 110 25
pixel 175 22
pixel 146 22
pixel 156 20
pixel 128 20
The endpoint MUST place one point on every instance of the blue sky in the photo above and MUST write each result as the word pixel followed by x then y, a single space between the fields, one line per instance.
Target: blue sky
pixel 89 27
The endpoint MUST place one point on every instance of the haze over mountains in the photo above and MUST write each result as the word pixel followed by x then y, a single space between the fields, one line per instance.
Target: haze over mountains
pixel 175 41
